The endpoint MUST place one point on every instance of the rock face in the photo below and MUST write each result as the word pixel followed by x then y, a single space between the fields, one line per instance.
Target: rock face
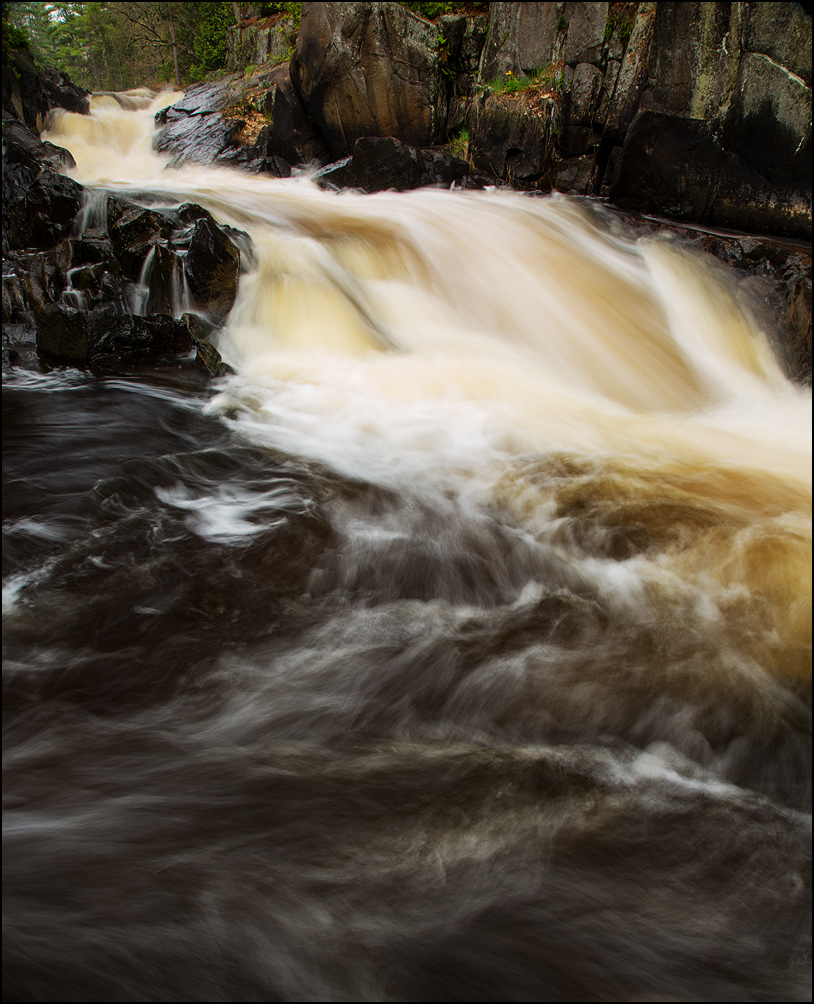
pixel 698 111
pixel 28 95
pixel 369 69
pixel 379 164
pixel 723 130
pixel 259 40
pixel 194 129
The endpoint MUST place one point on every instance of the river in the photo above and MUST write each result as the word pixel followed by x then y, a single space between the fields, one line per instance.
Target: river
pixel 455 648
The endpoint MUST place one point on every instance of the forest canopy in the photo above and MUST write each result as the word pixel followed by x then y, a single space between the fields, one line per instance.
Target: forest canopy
pixel 116 46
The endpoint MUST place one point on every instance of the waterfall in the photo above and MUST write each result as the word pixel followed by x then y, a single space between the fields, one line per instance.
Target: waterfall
pixel 456 647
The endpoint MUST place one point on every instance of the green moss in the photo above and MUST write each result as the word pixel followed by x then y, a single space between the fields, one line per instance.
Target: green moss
pixel 431 11
pixel 459 146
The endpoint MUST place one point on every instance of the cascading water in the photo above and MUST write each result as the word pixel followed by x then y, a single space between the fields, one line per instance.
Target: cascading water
pixel 456 648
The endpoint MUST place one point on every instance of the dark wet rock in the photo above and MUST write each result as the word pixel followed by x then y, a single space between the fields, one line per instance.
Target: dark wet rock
pixel 207 356
pixel 678 167
pixel 41 210
pixel 369 69
pixel 441 168
pixel 24 93
pixel 23 146
pixel 134 233
pixel 162 281
pixel 62 334
pixel 39 204
pixel 116 338
pixel 16 307
pixel 63 93
pixel 107 338
pixel 194 130
pixel 380 164
pixel 294 136
pixel 199 99
pixel 197 139
pixel 212 268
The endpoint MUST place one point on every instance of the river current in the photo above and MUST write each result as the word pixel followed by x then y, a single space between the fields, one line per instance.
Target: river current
pixel 455 648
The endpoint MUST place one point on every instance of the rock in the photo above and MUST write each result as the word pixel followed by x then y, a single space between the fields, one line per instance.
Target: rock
pixel 769 124
pixel 122 338
pixel 575 174
pixel 107 338
pixel 584 95
pixel 378 164
pixel 510 141
pixel 194 130
pixel 441 168
pixel 369 69
pixel 631 80
pixel 666 166
pixel 199 99
pixel 678 167
pixel 197 139
pixel 16 308
pixel 212 269
pixel 585 31
pixel 24 92
pixel 207 356
pixel 31 184
pixel 798 321
pixel 386 164
pixel 62 334
pixel 257 41
pixel 24 146
pixel 28 95
pixel 781 31
pixel 294 137
pixel 134 232
pixel 62 93
pixel 521 37
pixel 45 214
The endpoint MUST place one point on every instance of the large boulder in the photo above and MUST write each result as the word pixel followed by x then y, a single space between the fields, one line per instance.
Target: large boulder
pixel 369 69
pixel 193 129
pixel 294 137
pixel 108 338
pixel 212 269
pixel 380 164
pixel 43 211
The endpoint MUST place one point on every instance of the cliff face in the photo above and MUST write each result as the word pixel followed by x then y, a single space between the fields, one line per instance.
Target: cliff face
pixel 697 111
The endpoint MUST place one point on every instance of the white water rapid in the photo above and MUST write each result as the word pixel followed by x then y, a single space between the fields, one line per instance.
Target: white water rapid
pixel 467 659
